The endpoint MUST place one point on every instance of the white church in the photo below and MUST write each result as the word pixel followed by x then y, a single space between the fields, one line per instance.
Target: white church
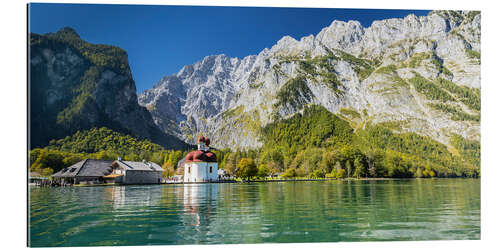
pixel 201 165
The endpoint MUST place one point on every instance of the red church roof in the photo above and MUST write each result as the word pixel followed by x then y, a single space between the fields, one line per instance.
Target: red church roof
pixel 201 156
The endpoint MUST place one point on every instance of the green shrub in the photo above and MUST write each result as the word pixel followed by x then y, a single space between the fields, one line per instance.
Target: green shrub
pixel 456 113
pixel 468 96
pixel 289 173
pixel 293 93
pixel 417 59
pixel 473 54
pixel 340 174
pixel 317 174
pixel 429 89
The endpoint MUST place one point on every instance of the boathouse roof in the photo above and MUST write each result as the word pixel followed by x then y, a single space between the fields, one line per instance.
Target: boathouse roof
pixel 136 166
pixel 87 168
pixel 96 168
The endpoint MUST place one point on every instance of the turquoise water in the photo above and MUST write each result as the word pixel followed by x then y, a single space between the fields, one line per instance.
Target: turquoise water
pixel 322 211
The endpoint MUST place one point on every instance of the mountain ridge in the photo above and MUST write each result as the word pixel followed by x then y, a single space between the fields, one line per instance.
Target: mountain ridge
pixel 387 72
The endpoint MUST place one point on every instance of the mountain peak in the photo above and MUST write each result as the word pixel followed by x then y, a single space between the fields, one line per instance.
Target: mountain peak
pixel 353 24
pixel 68 31
pixel 287 40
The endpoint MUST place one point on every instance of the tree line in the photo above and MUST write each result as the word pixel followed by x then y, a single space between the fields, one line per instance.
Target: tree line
pixel 312 144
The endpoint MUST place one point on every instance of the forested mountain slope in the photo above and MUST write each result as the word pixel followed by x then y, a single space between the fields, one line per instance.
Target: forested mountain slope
pixel 75 85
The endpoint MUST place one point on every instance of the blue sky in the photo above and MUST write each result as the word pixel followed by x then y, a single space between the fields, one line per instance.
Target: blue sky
pixel 160 40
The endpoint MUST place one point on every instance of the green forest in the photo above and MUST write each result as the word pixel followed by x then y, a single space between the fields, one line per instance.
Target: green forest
pixel 311 144
pixel 103 144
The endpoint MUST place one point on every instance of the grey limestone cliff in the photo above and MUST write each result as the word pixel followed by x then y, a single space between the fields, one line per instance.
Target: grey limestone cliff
pixel 419 74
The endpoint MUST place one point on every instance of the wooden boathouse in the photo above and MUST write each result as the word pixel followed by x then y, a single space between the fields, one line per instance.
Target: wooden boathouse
pixel 91 171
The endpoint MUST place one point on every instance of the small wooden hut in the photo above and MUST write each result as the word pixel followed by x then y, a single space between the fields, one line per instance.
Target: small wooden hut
pixel 131 172
pixel 88 171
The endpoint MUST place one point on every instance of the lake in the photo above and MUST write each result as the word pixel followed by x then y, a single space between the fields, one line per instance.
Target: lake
pixel 315 211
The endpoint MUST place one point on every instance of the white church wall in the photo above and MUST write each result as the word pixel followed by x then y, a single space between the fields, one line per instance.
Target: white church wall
pixel 200 172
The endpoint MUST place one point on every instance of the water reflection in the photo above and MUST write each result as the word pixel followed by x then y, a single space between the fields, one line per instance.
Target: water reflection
pixel 133 197
pixel 116 195
pixel 200 203
pixel 256 212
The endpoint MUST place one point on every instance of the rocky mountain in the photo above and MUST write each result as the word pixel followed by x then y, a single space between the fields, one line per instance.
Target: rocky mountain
pixel 416 74
pixel 75 85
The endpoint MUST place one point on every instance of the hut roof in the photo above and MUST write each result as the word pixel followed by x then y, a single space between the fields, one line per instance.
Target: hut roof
pixel 95 168
pixel 70 171
pixel 87 167
pixel 134 165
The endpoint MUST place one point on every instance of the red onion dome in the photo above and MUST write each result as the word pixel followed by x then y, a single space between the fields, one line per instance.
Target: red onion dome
pixel 210 157
pixel 189 156
pixel 199 156
pixel 207 141
pixel 201 139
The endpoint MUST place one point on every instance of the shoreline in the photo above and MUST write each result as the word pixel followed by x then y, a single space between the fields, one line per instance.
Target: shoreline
pixel 255 181
pixel 322 179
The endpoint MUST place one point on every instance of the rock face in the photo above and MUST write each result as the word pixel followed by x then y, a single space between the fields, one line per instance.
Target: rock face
pixel 419 74
pixel 76 85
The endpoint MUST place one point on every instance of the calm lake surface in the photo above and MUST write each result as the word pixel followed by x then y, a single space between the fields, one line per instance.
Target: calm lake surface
pixel 321 211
